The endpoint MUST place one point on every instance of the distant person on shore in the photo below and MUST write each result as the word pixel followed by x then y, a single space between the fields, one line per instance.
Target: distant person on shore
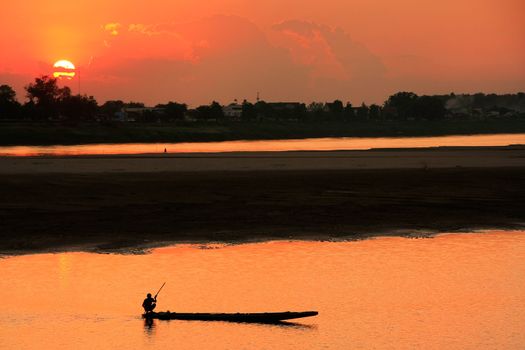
pixel 165 150
pixel 149 303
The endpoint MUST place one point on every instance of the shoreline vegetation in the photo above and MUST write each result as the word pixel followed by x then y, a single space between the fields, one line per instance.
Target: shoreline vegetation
pixel 52 115
pixel 60 133
pixel 55 204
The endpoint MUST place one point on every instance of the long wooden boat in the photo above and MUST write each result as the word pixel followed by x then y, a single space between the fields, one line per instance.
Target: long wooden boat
pixel 264 317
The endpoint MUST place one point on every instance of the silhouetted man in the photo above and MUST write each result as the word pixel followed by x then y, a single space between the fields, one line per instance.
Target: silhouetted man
pixel 149 303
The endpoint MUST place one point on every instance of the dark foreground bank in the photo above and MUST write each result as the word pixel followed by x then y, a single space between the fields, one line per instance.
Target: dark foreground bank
pixel 89 133
pixel 118 211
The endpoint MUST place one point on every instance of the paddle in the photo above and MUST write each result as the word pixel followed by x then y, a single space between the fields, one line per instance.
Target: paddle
pixel 159 291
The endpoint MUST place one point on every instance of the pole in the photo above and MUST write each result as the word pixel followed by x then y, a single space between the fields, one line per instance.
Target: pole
pixel 159 290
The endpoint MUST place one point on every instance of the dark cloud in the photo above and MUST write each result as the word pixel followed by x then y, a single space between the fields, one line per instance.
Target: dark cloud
pixel 341 67
pixel 318 44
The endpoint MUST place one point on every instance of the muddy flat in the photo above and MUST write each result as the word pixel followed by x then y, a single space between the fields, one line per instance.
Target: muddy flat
pixel 59 203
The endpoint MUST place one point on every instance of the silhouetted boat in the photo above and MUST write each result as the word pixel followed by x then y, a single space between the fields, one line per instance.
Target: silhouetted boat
pixel 265 317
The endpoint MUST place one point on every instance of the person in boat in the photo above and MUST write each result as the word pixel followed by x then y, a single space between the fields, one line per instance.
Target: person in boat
pixel 149 303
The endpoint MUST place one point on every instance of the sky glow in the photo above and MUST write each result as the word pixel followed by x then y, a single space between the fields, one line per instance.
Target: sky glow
pixel 288 50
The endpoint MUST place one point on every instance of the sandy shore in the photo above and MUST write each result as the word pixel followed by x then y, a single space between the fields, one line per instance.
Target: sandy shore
pixel 266 161
pixel 114 202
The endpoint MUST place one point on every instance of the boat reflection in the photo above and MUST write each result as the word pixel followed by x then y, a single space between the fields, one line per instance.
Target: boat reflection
pixel 150 324
pixel 149 327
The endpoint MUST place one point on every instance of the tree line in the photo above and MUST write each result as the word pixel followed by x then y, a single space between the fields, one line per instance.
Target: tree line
pixel 47 101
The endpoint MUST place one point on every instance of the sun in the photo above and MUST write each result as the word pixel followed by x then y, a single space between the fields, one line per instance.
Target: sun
pixel 64 69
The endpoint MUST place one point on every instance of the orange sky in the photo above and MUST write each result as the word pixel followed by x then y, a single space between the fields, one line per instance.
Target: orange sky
pixel 195 51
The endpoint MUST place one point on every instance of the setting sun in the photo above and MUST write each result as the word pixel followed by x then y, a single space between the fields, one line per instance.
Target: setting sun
pixel 64 69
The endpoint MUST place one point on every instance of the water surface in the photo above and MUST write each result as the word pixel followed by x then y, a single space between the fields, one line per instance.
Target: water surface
pixel 321 144
pixel 460 291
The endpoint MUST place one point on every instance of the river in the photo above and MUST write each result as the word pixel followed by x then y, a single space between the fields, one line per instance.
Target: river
pixel 453 291
pixel 322 144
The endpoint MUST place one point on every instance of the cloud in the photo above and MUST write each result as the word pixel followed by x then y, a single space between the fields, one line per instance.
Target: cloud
pixel 138 40
pixel 229 57
pixel 220 57
pixel 154 29
pixel 331 52
pixel 210 35
pixel 112 28
pixel 340 66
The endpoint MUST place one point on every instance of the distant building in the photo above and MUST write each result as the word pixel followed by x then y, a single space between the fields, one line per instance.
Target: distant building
pixel 283 111
pixel 121 117
pixel 233 111
pixel 131 114
pixel 141 110
pixel 286 106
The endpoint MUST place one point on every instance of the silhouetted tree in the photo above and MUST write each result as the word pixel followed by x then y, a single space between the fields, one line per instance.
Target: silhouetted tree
pixel 173 111
pixel 201 112
pixel 335 110
pixel 216 111
pixel 336 107
pixel 109 108
pixel 316 111
pixel 349 111
pixel 209 112
pixel 78 107
pixel 45 95
pixel 402 104
pixel 362 112
pixel 374 112
pixel 48 100
pixel 262 110
pixel 132 104
pixel 299 112
pixel 148 116
pixel 429 107
pixel 9 106
pixel 249 112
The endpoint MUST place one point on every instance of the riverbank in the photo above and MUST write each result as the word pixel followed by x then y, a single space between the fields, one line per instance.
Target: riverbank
pixel 12 134
pixel 58 204
pixel 416 158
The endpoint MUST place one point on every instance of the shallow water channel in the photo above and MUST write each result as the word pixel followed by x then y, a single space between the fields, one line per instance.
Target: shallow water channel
pixel 453 291
pixel 318 144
